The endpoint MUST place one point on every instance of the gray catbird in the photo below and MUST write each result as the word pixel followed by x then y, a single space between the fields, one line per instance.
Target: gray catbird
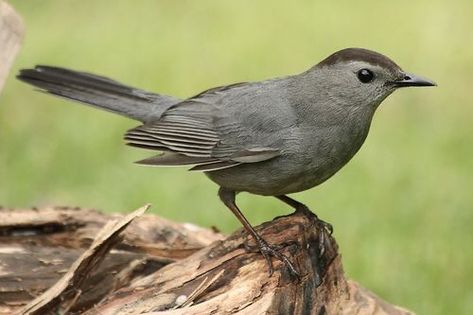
pixel 271 138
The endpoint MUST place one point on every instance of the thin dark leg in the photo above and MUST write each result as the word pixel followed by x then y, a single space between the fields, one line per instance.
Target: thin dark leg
pixel 228 198
pixel 302 208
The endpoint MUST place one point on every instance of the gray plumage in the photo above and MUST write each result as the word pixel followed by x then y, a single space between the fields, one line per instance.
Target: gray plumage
pixel 273 137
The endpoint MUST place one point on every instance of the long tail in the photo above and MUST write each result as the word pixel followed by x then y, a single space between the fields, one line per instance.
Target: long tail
pixel 98 91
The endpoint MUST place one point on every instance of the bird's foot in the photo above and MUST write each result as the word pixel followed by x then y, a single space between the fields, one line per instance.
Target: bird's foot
pixel 269 251
pixel 324 227
pixel 303 209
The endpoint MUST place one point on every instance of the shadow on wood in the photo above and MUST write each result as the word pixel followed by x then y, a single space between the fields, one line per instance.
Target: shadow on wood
pixel 162 267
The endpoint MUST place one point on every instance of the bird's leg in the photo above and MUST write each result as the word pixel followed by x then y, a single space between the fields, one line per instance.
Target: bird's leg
pixel 303 209
pixel 228 198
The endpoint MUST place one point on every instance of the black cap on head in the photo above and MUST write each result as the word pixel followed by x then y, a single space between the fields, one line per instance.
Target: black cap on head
pixel 360 54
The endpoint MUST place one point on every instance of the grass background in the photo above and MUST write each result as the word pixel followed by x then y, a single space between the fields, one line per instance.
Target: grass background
pixel 402 209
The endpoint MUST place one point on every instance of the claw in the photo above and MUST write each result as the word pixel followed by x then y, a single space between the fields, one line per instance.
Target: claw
pixel 267 251
pixel 306 211
pixel 327 226
pixel 322 244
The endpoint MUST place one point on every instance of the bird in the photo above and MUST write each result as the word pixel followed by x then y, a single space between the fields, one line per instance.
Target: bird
pixel 272 138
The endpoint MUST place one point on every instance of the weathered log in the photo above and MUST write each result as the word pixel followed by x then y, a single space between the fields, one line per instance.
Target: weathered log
pixel 162 267
pixel 75 227
pixel 38 246
pixel 11 35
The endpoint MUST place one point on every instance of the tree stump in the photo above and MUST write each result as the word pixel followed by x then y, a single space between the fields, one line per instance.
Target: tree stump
pixel 60 260
pixel 11 35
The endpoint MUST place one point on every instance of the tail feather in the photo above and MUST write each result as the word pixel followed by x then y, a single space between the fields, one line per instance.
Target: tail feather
pixel 98 91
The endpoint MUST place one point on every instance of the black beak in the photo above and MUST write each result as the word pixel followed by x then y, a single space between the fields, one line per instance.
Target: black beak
pixel 410 79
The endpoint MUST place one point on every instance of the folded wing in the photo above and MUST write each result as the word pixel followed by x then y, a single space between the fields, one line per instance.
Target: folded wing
pixel 188 134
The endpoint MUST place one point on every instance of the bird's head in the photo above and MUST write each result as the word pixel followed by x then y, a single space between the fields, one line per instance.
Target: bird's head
pixel 361 77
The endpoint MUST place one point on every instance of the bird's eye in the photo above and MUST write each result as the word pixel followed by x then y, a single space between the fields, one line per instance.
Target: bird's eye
pixel 365 75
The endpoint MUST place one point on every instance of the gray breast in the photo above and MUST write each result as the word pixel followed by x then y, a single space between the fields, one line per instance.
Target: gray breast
pixel 320 154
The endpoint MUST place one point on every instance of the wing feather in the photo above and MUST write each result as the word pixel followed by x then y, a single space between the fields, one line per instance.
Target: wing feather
pixel 159 146
pixel 169 135
pixel 178 141
pixel 200 132
pixel 214 166
pixel 175 159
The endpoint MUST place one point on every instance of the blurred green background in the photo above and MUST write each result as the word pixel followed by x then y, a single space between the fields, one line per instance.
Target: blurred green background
pixel 402 209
